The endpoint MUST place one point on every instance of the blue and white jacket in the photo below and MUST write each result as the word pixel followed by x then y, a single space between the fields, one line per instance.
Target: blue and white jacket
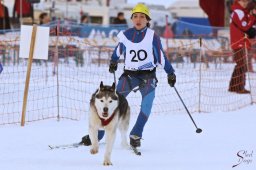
pixel 136 36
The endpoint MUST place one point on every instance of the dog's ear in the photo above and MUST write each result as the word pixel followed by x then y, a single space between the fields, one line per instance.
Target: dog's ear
pixel 101 85
pixel 113 87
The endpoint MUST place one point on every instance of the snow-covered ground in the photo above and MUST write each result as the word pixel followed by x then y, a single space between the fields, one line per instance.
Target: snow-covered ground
pixel 170 143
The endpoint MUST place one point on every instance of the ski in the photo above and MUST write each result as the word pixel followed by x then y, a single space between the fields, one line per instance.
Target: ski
pixel 76 145
pixel 135 150
pixel 65 146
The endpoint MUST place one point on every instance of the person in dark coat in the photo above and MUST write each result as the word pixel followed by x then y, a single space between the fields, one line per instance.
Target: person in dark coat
pixel 4 17
pixel 120 19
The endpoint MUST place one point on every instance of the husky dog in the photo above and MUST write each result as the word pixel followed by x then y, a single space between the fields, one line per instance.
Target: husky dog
pixel 108 110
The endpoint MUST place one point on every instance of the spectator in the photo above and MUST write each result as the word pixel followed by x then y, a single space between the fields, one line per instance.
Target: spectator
pixel 120 19
pixel 23 8
pixel 187 33
pixel 250 7
pixel 241 21
pixel 158 29
pixel 84 19
pixel 44 18
pixel 4 17
pixel 168 31
pixel 174 25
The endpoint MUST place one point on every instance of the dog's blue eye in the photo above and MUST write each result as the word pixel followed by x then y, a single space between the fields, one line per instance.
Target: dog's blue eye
pixel 101 100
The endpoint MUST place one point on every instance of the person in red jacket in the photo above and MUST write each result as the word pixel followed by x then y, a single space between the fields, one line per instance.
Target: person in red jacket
pixel 252 54
pixel 241 21
pixel 4 18
pixel 23 8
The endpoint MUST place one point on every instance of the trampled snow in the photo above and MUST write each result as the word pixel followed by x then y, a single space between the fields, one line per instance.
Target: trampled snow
pixel 170 143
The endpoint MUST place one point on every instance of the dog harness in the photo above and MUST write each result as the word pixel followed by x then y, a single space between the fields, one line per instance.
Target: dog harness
pixel 105 122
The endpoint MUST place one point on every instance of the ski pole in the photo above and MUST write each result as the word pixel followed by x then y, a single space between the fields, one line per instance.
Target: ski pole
pixel 198 130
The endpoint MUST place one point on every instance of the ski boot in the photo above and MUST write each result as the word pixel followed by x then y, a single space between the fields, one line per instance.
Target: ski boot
pixel 135 141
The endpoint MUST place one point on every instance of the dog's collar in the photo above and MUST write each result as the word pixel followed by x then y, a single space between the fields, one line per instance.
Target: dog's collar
pixel 105 122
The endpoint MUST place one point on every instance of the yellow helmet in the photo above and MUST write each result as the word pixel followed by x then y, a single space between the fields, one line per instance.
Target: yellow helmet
pixel 142 9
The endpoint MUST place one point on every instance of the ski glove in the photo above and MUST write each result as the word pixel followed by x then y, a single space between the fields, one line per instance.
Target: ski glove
pixel 112 67
pixel 171 79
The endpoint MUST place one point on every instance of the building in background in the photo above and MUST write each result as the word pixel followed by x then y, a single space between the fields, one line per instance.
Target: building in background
pixel 99 11
pixel 187 8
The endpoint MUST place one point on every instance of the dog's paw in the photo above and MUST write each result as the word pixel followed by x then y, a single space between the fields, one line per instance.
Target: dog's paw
pixel 107 163
pixel 94 151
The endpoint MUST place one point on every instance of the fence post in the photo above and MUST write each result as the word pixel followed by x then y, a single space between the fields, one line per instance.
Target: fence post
pixel 4 59
pixel 200 75
pixel 56 66
pixel 30 60
pixel 247 65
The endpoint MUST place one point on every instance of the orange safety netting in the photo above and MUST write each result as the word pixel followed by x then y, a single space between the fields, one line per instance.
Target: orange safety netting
pixel 61 87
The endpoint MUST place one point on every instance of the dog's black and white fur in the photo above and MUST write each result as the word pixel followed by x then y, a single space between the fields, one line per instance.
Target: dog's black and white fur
pixel 108 110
